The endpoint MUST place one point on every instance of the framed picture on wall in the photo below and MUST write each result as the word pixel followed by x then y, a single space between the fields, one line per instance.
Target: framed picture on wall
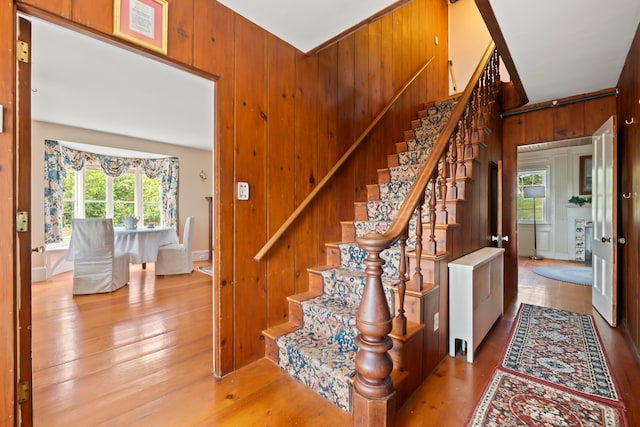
pixel 586 172
pixel 143 22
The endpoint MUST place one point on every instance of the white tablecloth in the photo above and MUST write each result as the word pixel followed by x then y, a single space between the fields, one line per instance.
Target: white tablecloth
pixel 142 243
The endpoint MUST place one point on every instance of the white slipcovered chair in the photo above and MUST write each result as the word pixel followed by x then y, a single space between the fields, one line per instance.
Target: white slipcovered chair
pixel 176 258
pixel 96 266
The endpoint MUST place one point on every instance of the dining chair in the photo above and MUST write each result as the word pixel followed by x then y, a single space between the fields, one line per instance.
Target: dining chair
pixel 97 268
pixel 176 258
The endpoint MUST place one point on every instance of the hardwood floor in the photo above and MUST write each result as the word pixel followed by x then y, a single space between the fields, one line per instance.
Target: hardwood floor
pixel 142 356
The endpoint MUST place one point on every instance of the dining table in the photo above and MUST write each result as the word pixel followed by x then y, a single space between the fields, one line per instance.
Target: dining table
pixel 143 243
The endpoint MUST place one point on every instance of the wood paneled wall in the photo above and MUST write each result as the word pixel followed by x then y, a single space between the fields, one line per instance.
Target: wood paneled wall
pixel 282 120
pixel 629 143
pixel 548 124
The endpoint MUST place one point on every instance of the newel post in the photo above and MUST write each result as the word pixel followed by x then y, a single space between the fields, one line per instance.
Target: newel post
pixel 373 395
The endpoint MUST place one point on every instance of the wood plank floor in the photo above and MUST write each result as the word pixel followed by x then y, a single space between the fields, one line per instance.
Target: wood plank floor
pixel 141 356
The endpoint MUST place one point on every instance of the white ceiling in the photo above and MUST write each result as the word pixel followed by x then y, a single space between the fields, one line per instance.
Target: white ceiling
pixel 83 82
pixel 567 47
pixel 560 48
pixel 307 24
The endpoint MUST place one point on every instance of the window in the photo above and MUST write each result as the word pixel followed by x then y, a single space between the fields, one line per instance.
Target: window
pixel 526 206
pixel 90 193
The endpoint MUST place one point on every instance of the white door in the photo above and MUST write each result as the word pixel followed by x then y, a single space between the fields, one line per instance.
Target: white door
pixel 604 294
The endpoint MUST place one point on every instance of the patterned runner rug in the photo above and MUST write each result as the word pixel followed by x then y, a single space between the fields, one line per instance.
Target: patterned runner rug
pixel 562 349
pixel 512 400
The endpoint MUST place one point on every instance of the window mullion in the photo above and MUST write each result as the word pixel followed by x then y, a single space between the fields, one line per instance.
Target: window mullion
pixel 109 183
pixel 80 199
pixel 138 196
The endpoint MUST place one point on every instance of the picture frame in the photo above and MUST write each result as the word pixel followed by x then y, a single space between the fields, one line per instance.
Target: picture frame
pixel 586 171
pixel 143 22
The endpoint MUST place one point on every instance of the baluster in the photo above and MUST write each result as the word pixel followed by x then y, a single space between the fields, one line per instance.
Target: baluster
pixel 373 362
pixel 469 137
pixel 475 137
pixel 457 160
pixel 400 321
pixel 495 73
pixel 416 282
pixel 463 128
pixel 431 243
pixel 445 162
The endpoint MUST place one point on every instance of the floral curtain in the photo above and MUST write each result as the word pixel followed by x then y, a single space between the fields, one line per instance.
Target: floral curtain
pixel 58 158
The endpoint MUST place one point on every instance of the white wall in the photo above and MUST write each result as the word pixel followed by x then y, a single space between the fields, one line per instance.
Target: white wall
pixel 191 189
pixel 555 236
pixel 468 39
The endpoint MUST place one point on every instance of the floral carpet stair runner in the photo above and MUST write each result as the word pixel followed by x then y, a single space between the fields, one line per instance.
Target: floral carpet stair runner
pixel 321 354
pixel 553 372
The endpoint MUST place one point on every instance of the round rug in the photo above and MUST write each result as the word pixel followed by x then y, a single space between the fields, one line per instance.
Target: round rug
pixel 577 275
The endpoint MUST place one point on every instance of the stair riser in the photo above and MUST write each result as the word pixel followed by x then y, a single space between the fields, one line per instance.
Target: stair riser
pixel 331 323
pixel 330 379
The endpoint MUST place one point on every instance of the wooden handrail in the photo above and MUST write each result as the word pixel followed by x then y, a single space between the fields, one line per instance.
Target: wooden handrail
pixel 302 206
pixel 401 220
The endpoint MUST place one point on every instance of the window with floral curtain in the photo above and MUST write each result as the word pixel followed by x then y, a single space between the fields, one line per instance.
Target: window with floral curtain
pixel 59 158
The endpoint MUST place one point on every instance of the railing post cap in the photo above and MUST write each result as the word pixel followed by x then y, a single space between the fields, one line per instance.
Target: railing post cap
pixel 374 241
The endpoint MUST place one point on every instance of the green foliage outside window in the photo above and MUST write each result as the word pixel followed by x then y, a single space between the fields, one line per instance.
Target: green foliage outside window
pixel 124 188
pixel 95 194
pixel 68 203
pixel 151 200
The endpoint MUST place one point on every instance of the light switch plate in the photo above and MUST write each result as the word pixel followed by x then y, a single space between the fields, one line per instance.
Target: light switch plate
pixel 243 191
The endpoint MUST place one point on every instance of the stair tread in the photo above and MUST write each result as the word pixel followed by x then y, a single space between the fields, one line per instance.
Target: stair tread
pixel 303 296
pixel 281 329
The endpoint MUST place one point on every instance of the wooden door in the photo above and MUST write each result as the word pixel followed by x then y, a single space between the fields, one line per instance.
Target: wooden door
pixel 604 293
pixel 23 238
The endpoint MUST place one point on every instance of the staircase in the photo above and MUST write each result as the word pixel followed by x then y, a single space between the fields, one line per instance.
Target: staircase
pixel 317 345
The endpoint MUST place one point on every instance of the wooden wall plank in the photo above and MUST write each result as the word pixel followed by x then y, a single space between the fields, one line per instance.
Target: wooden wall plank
pixel 306 166
pixel 214 50
pixel 328 152
pixel 250 162
pixel 568 121
pixel 386 131
pixel 180 30
pixel 598 111
pixel 361 117
pixel 96 14
pixel 345 131
pixel 57 7
pixel 378 146
pixel 281 163
pixel 539 126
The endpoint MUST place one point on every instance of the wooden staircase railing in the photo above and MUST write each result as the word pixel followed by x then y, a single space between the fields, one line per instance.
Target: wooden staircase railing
pixel 373 388
pixel 302 206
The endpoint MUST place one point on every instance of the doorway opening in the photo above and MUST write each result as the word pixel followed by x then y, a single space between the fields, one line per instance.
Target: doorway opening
pixel 50 120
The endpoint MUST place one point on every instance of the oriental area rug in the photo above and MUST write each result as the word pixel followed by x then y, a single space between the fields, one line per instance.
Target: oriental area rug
pixel 553 372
